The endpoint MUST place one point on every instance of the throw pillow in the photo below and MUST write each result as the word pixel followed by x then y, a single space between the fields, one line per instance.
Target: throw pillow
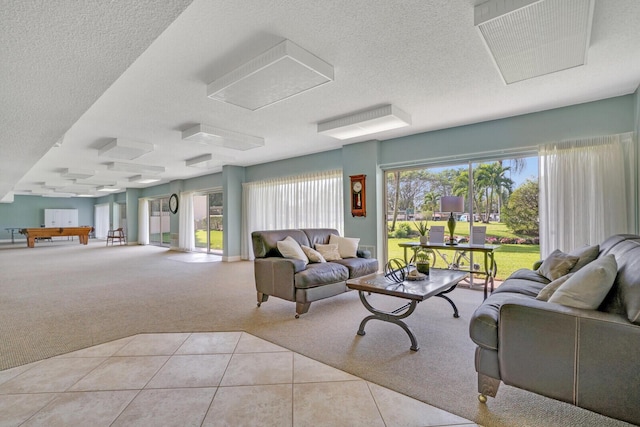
pixel 329 252
pixel 557 264
pixel 546 292
pixel 347 246
pixel 586 254
pixel 312 254
pixel 588 287
pixel 289 248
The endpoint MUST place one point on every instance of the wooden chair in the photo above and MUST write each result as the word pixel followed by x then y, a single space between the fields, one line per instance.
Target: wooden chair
pixel 117 234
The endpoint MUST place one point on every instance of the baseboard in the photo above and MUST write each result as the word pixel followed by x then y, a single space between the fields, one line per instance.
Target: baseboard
pixel 235 258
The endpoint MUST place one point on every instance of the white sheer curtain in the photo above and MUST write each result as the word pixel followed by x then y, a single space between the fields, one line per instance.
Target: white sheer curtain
pixel 101 213
pixel 143 221
pixel 303 201
pixel 186 231
pixel 587 191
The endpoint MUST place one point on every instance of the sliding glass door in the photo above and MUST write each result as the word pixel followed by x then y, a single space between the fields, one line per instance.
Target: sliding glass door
pixel 159 222
pixel 208 211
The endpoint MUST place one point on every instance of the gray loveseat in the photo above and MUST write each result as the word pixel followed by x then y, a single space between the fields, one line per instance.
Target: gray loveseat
pixel 585 357
pixel 292 280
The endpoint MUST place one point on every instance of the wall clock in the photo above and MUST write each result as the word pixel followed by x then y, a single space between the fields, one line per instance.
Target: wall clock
pixel 358 195
pixel 173 203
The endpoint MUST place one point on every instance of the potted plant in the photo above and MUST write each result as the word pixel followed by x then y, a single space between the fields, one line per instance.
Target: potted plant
pixel 423 229
pixel 422 261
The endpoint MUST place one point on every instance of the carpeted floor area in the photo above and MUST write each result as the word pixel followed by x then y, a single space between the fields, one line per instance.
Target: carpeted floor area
pixel 62 297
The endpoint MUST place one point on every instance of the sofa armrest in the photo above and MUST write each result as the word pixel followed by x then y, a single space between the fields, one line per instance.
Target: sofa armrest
pixel 275 276
pixel 540 346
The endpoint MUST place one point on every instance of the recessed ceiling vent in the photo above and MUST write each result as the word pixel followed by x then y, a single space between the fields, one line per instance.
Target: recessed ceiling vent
pixel 531 38
pixel 281 72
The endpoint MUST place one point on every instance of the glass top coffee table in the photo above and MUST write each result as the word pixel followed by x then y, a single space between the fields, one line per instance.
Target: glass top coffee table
pixel 439 283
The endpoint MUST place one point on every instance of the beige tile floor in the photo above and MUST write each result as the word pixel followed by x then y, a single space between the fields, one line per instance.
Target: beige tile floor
pixel 200 379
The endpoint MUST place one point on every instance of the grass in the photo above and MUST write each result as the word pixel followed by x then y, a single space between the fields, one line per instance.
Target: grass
pixel 215 239
pixel 509 258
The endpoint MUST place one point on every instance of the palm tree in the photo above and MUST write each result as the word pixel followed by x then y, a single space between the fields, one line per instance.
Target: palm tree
pixel 492 179
pixel 431 201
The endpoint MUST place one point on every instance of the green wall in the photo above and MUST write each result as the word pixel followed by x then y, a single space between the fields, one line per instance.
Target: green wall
pixel 28 211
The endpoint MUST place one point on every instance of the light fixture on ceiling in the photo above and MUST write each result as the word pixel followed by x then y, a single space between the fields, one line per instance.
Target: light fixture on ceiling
pixel 107 189
pixel 76 173
pixel 133 167
pixel 221 137
pixel 144 179
pixel 366 122
pixel 119 148
pixel 61 195
pixel 86 195
pixel 531 38
pixel 207 161
pixel 281 72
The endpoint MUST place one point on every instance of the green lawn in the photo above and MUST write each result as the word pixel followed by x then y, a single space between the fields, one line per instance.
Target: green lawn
pixel 215 238
pixel 509 258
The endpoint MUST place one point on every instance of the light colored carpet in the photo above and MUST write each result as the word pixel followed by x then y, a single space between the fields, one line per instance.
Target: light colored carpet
pixel 63 296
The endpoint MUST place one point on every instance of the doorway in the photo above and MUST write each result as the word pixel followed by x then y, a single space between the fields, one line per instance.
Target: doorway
pixel 208 211
pixel 159 222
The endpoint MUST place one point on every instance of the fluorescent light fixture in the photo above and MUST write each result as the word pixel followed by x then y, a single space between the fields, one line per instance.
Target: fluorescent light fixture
pixel 144 179
pixel 531 38
pixel 281 72
pixel 76 173
pixel 368 122
pixel 133 167
pixel 119 148
pixel 52 185
pixel 106 189
pixel 206 134
pixel 63 195
pixel 207 161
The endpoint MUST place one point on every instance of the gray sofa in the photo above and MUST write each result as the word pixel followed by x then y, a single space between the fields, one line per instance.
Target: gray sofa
pixel 291 280
pixel 588 358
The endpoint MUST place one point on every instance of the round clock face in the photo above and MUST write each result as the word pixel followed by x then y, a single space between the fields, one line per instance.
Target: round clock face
pixel 357 187
pixel 173 203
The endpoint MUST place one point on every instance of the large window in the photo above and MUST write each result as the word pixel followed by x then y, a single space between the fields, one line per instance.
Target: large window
pixel 501 195
pixel 303 201
pixel 208 211
pixel 159 222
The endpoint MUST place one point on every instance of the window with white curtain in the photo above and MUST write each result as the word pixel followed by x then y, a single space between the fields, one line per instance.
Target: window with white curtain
pixel 587 191
pixel 303 201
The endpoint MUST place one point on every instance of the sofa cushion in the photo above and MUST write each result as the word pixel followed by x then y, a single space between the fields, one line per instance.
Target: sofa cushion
pixel 265 243
pixel 557 264
pixel 312 254
pixel 359 266
pixel 329 252
pixel 291 249
pixel 320 274
pixel 588 287
pixel 585 255
pixel 347 246
pixel 548 290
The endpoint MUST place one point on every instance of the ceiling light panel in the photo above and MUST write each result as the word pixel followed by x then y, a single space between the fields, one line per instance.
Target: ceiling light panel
pixel 281 72
pixel 133 167
pixel 106 189
pixel 144 179
pixel 207 161
pixel 76 173
pixel 123 149
pixel 528 38
pixel 365 123
pixel 206 134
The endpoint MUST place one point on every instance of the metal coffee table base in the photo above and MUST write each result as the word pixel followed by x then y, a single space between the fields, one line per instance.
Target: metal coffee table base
pixel 398 314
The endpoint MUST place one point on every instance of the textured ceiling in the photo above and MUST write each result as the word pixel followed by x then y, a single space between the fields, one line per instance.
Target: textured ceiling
pixel 94 71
